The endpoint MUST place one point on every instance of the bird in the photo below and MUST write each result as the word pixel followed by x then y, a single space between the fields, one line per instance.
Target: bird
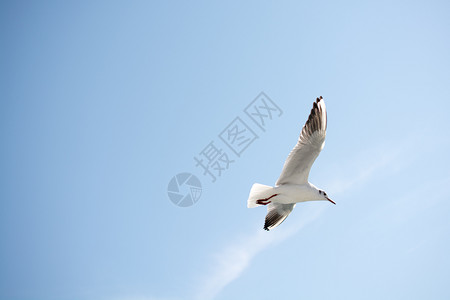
pixel 293 186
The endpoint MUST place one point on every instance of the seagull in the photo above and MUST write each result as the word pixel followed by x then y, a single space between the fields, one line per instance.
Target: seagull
pixel 292 186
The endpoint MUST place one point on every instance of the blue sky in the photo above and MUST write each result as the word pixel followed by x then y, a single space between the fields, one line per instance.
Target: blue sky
pixel 104 102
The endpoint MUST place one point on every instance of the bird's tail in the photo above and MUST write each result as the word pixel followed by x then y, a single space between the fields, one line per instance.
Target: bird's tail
pixel 258 192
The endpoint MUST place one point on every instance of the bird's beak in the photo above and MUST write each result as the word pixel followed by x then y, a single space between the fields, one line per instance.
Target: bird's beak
pixel 331 201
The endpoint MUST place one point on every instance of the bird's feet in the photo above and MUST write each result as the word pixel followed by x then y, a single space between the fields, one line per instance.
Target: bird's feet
pixel 265 201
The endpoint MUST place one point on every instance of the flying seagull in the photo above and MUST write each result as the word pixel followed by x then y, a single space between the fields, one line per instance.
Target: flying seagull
pixel 293 186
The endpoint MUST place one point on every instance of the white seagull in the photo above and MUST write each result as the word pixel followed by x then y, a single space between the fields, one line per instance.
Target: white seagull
pixel 293 186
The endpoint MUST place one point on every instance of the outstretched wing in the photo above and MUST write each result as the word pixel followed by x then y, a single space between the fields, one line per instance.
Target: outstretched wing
pixel 312 139
pixel 276 214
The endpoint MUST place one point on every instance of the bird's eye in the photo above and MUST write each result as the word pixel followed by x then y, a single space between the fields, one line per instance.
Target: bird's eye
pixel 324 193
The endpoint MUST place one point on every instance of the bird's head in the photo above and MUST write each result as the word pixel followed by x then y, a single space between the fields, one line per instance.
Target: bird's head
pixel 324 196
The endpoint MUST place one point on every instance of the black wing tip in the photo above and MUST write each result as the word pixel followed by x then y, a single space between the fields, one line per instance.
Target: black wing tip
pixel 266 225
pixel 319 99
pixel 269 222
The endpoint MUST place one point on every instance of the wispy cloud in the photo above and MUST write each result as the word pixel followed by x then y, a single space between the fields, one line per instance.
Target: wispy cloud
pixel 364 166
pixel 407 205
pixel 228 264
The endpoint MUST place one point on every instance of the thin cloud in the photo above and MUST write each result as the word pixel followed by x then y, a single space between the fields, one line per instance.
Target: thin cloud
pixel 365 165
pixel 408 205
pixel 229 263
